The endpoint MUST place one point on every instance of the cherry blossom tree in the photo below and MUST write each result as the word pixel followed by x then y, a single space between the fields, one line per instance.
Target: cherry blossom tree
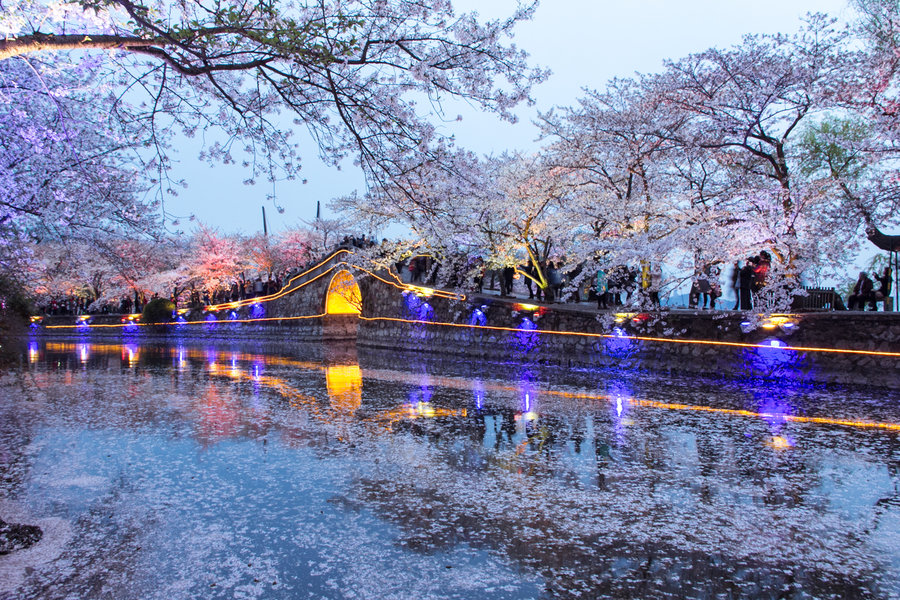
pixel 467 211
pixel 748 104
pixel 858 148
pixel 351 72
pixel 71 268
pixel 63 171
pixel 616 146
pixel 295 247
pixel 216 260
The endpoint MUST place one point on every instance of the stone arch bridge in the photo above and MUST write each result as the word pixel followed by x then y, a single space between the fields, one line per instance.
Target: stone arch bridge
pixel 329 300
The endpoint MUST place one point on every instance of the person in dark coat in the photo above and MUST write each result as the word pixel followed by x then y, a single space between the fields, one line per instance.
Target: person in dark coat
pixel 506 281
pixel 528 273
pixel 862 293
pixel 745 283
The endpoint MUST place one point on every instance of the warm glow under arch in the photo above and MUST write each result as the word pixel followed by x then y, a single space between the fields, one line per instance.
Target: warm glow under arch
pixel 344 297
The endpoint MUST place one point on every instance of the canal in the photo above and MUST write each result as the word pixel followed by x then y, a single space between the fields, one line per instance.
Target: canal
pixel 244 470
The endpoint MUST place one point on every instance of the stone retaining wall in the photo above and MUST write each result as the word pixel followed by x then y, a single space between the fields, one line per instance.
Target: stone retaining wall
pixel 511 331
pixel 544 335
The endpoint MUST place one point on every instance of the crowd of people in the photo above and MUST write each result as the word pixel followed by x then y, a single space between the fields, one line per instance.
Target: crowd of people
pixel 619 286
pixel 239 289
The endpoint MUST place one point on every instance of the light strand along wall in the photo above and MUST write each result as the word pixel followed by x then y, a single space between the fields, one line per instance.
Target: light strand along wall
pixel 396 316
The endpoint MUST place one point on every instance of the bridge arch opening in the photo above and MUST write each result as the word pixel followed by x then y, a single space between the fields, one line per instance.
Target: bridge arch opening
pixel 343 296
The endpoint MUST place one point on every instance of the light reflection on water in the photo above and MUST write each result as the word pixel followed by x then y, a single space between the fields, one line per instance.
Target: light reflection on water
pixel 246 471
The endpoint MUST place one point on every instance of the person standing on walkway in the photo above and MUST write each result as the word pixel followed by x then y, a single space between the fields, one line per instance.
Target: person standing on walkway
pixel 745 283
pixel 736 284
pixel 554 281
pixel 527 273
pixel 711 289
pixel 655 284
pixel 506 281
pixel 602 290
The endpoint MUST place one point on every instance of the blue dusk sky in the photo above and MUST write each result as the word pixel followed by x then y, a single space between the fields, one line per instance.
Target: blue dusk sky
pixel 584 42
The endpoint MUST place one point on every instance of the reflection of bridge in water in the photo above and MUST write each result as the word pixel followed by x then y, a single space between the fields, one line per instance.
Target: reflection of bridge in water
pixel 344 384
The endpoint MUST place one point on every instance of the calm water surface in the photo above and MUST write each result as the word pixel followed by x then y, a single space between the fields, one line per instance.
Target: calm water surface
pixel 250 471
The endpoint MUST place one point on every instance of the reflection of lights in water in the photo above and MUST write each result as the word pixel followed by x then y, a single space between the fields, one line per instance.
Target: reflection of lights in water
pixel 774 409
pixel 344 385
pixel 478 392
pixel 182 364
pixel 616 390
pixel 527 395
pixel 82 352
pixel 423 409
pixel 779 442
pixel 420 394
pixel 33 353
pixel 131 354
pixel 619 395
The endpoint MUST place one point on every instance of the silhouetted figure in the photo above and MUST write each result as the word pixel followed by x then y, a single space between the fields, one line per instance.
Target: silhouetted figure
pixel 862 293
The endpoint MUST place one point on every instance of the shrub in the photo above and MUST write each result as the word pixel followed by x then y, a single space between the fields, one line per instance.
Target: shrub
pixel 158 310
